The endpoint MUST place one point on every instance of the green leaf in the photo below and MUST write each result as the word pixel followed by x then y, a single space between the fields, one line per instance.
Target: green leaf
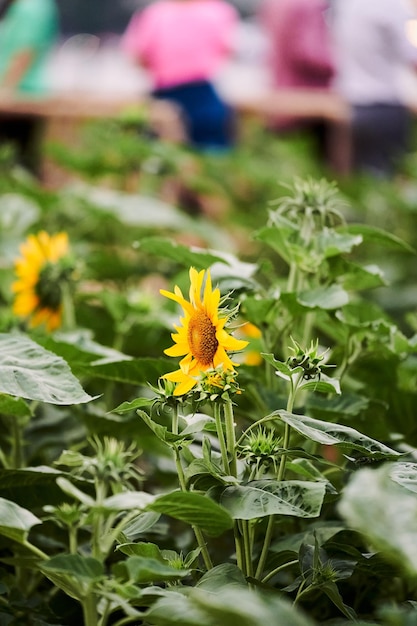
pixel 83 568
pixel 127 501
pixel 133 372
pixel 284 370
pixel 73 573
pixel 222 576
pixel 161 432
pixel 29 371
pixel 14 407
pixel 194 509
pixel 332 592
pixel 333 243
pixel 405 474
pixel 16 522
pixel 140 524
pixel 128 407
pixel 328 298
pixel 377 235
pixel 324 384
pixel 145 549
pixel 384 512
pixel 169 249
pixel 337 435
pixel 232 606
pixel 270 497
pixel 143 570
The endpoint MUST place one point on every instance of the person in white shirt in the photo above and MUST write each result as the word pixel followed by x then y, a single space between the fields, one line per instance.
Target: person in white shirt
pixel 371 48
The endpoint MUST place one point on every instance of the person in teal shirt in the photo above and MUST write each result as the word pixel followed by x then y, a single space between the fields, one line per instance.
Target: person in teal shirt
pixel 28 32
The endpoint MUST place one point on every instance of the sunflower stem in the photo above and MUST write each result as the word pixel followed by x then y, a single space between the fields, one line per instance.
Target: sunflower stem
pixel 68 313
pixel 197 531
pixel 220 436
pixel 17 445
pixel 281 471
pixel 230 437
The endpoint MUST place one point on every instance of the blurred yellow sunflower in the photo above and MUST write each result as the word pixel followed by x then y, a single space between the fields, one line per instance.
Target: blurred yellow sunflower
pixel 201 339
pixel 41 271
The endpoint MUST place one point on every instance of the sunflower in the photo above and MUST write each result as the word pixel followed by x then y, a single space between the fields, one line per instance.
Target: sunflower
pixel 201 339
pixel 41 271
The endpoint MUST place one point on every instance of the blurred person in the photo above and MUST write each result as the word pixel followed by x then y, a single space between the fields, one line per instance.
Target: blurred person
pixel 182 44
pixel 371 49
pixel 28 32
pixel 300 56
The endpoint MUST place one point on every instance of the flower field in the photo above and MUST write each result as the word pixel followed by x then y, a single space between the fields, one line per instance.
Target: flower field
pixel 208 388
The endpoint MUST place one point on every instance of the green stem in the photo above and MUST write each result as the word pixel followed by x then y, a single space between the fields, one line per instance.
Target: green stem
pixel 230 437
pixel 175 420
pixel 98 521
pixel 247 547
pixel 17 445
pixel 36 550
pixel 281 472
pixel 240 557
pixel 127 620
pixel 203 547
pixel 283 460
pixel 72 539
pixel 220 436
pixel 278 569
pixel 265 548
pixel 90 610
pixel 197 532
pixel 68 314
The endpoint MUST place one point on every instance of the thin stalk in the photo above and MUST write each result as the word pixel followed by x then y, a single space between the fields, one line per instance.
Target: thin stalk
pixel 98 522
pixel 265 548
pixel 68 313
pixel 220 437
pixel 240 558
pixel 17 445
pixel 36 550
pixel 127 620
pixel 175 420
pixel 197 531
pixel 278 569
pixel 72 539
pixel 230 437
pixel 90 610
pixel 281 472
pixel 247 547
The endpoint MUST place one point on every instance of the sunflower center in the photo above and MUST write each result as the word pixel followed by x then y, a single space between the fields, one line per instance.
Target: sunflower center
pixel 48 288
pixel 202 338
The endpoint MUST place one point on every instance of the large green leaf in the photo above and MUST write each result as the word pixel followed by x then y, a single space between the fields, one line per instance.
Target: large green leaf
pixel 377 235
pixel 337 435
pixel 385 512
pixel 194 509
pixel 189 257
pixel 329 298
pixel 29 371
pixel 73 573
pixel 405 474
pixel 16 522
pixel 142 570
pixel 14 407
pixel 134 372
pixel 270 497
pixel 233 606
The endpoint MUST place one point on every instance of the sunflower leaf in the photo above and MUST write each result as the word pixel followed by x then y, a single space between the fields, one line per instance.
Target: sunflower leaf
pixel 29 371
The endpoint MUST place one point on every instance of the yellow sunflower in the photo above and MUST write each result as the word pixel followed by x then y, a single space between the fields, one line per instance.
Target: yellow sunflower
pixel 41 270
pixel 202 339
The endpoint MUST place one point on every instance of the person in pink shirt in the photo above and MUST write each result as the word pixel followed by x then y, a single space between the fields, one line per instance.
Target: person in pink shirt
pixel 182 44
pixel 300 53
